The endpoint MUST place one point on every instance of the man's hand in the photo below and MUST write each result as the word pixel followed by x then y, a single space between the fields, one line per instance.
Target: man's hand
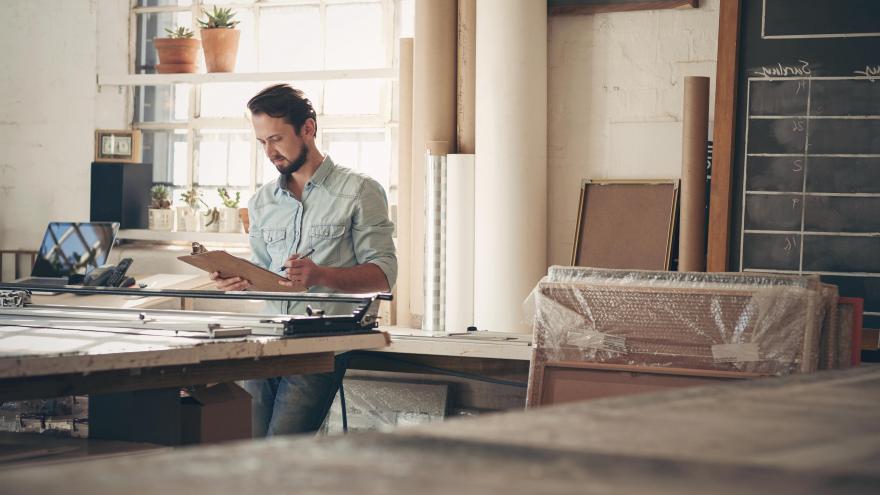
pixel 231 283
pixel 302 272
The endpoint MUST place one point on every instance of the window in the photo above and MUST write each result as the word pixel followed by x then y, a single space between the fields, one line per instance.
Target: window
pixel 198 135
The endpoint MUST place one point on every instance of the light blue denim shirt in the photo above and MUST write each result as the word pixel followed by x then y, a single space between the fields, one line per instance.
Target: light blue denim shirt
pixel 343 215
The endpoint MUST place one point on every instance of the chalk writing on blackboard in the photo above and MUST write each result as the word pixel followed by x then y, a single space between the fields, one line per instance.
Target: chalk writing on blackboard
pixel 802 68
pixel 872 73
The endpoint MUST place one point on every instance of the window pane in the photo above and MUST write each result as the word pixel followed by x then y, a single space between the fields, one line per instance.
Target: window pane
pixel 152 25
pixel 267 172
pixel 361 22
pixel 227 99
pixel 406 18
pixel 290 39
pixel 166 150
pixel 363 150
pixel 353 97
pixel 223 157
pixel 161 103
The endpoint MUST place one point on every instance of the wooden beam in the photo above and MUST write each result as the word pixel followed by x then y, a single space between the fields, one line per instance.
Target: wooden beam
pixel 105 382
pixel 720 199
pixel 608 6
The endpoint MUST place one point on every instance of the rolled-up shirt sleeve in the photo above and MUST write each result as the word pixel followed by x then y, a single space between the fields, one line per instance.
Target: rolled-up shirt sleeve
pixel 372 230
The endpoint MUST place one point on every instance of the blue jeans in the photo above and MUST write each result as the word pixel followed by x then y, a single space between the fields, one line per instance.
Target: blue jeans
pixel 292 404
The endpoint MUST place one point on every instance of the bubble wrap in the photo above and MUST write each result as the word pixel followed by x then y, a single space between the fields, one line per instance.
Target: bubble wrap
pixel 765 324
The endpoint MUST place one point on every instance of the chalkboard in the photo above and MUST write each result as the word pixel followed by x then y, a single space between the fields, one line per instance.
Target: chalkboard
pixel 806 145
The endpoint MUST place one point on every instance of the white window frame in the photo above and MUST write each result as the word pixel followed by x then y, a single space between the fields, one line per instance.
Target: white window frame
pixel 194 123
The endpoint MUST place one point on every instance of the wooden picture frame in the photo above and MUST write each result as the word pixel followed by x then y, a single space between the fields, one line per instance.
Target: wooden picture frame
pixel 584 7
pixel 118 146
pixel 667 191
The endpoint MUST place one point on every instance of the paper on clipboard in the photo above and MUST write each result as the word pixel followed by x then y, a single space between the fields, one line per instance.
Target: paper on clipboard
pixel 232 266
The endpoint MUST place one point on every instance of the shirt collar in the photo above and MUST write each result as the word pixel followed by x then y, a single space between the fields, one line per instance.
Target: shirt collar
pixel 318 178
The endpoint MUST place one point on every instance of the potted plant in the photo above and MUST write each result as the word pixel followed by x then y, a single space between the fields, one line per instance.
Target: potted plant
pixel 161 217
pixel 220 39
pixel 229 219
pixel 187 219
pixel 179 52
pixel 209 221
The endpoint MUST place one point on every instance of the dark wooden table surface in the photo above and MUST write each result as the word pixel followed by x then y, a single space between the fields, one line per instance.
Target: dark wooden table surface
pixel 806 434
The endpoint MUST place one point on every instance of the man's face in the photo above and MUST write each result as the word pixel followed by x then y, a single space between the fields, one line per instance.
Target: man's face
pixel 284 148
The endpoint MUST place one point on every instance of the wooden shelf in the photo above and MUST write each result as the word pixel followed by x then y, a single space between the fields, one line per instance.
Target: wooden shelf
pixel 163 236
pixel 224 77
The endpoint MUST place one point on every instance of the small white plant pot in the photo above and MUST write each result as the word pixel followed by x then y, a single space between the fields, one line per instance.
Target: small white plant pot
pixel 187 220
pixel 230 221
pixel 204 226
pixel 161 219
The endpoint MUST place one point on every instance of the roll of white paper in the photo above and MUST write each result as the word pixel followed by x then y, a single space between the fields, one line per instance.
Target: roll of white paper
pixel 511 168
pixel 435 245
pixel 459 263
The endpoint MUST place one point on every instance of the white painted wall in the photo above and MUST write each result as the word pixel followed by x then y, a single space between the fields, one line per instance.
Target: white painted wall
pixel 50 107
pixel 615 94
pixel 614 105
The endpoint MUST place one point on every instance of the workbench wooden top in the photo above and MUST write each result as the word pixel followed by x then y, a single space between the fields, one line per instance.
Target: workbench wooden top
pixel 807 434
pixel 27 351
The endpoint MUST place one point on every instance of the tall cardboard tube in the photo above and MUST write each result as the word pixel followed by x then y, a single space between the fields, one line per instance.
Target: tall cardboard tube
pixel 467 79
pixel 404 191
pixel 434 84
pixel 695 132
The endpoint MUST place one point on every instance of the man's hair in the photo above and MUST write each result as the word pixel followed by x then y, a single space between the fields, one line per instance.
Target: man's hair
pixel 284 101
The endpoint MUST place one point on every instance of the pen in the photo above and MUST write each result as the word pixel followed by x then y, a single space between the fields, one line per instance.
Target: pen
pixel 304 255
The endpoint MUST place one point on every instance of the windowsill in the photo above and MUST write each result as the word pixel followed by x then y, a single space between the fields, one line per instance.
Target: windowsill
pixel 185 237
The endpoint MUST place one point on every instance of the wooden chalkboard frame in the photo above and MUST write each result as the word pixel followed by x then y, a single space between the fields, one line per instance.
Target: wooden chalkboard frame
pixel 721 189
pixel 585 7
pixel 673 184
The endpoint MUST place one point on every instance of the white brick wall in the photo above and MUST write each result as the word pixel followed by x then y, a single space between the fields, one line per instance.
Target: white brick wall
pixel 50 106
pixel 615 95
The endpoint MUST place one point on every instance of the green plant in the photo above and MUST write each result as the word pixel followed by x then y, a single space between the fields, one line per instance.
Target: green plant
pixel 181 33
pixel 160 197
pixel 218 18
pixel 191 198
pixel 213 215
pixel 227 201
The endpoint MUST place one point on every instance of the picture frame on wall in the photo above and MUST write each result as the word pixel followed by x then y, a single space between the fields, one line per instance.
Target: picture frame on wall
pixel 118 146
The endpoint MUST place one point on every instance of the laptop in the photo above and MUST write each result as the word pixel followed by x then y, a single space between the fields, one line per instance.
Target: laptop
pixel 70 249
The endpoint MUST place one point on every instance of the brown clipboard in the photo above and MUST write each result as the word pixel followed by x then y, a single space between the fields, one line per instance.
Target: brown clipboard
pixel 232 266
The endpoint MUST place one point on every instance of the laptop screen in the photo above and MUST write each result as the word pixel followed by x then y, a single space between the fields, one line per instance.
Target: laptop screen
pixel 71 248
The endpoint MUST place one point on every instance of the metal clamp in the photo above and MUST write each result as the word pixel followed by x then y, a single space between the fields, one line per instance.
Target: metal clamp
pixel 14 298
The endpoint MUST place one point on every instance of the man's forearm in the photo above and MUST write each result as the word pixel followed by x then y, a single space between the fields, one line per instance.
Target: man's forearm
pixel 367 277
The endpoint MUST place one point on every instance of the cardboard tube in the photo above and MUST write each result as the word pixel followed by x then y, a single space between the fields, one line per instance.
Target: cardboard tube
pixel 434 81
pixel 467 90
pixel 695 132
pixel 404 191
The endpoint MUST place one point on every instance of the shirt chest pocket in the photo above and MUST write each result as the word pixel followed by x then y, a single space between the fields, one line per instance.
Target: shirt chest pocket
pixel 326 239
pixel 276 244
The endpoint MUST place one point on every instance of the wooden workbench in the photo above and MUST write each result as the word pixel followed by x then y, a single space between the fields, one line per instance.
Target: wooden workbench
pixel 806 434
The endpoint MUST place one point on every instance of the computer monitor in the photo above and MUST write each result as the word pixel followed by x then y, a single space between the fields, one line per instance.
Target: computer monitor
pixel 74 248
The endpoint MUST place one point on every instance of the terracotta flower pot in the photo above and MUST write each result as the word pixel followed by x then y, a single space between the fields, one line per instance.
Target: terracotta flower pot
pixel 221 48
pixel 245 220
pixel 177 55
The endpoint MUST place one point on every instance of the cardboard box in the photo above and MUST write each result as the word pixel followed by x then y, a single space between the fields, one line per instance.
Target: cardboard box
pixel 217 413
